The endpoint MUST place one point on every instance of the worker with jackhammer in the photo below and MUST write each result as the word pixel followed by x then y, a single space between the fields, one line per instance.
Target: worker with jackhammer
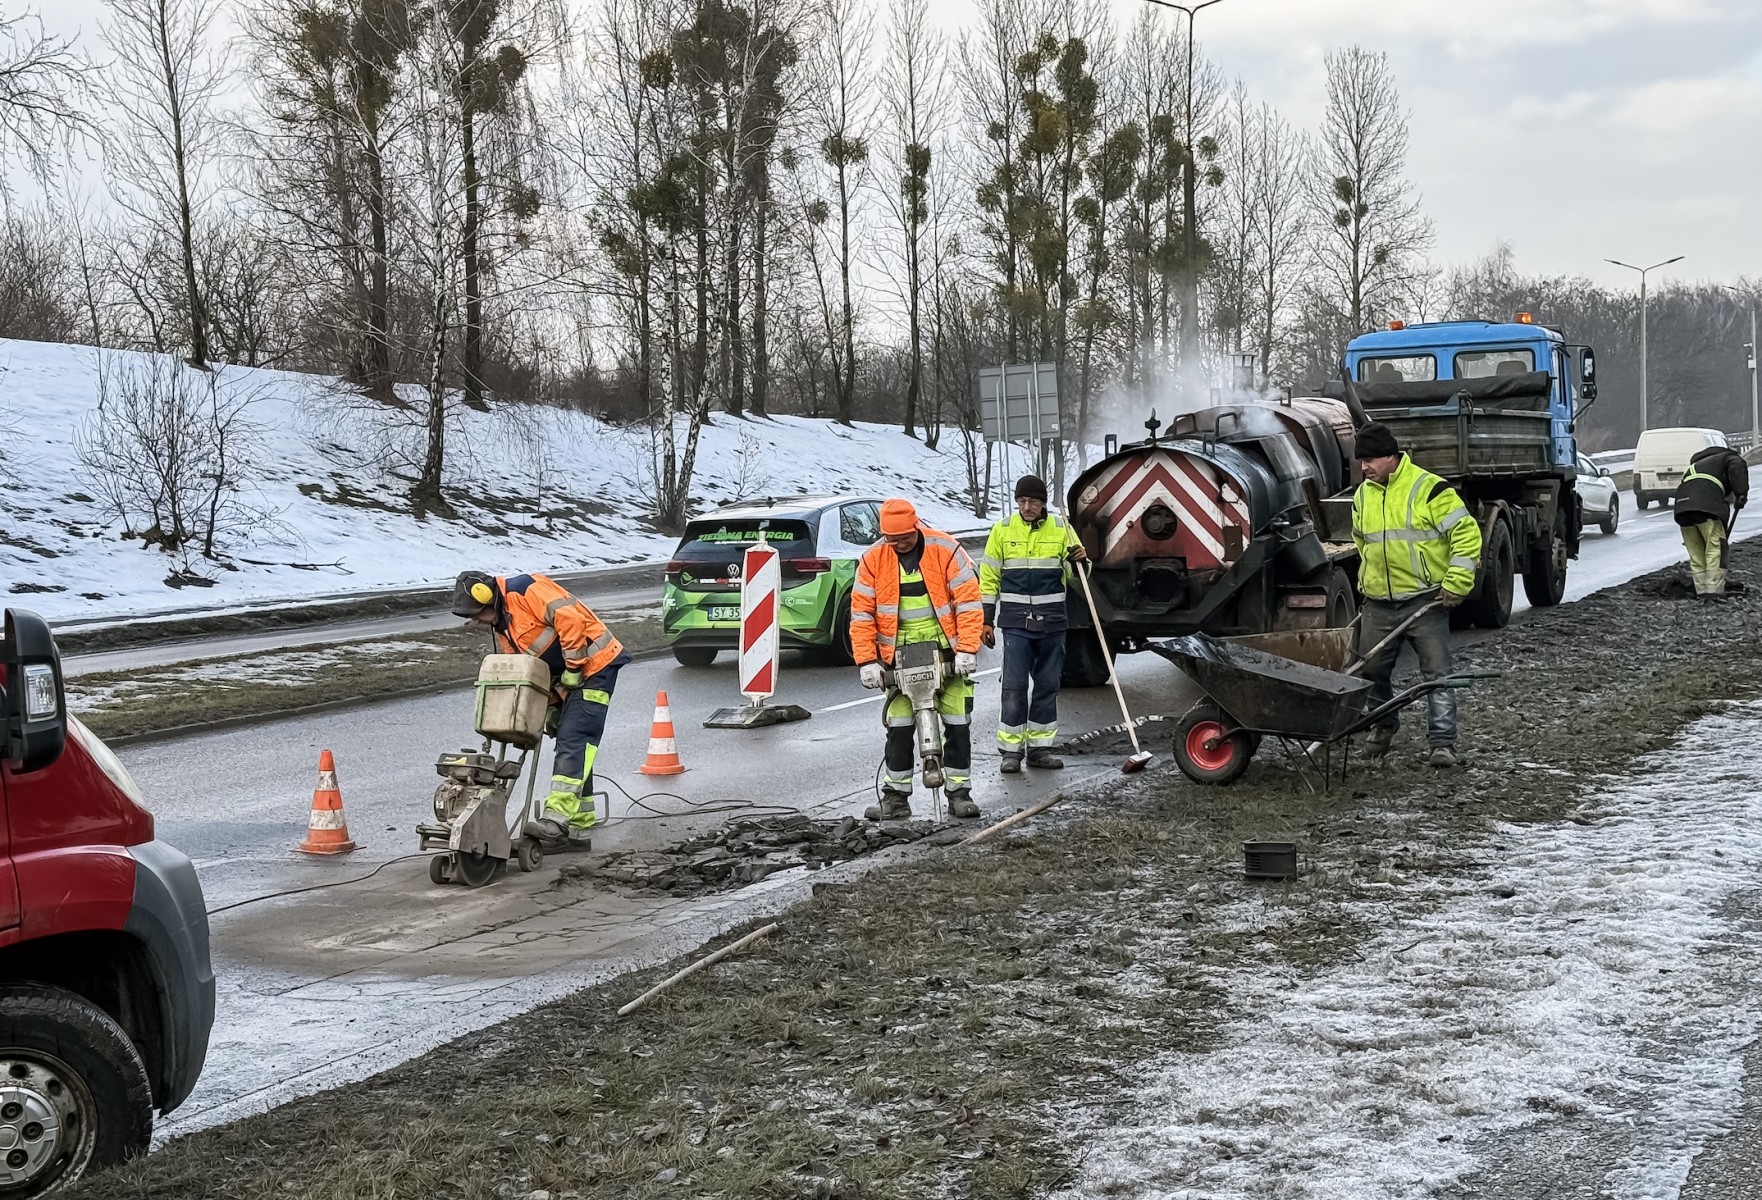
pixel 1707 502
pixel 531 614
pixel 918 585
pixel 1022 581
pixel 1418 549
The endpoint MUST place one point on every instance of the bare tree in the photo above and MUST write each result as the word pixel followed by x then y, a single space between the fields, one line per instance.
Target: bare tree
pixel 43 80
pixel 1370 231
pixel 1280 225
pixel 170 450
pixel 844 126
pixel 162 86
pixel 915 92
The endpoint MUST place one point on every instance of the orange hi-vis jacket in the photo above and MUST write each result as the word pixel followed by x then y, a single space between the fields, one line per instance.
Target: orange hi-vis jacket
pixel 545 621
pixel 949 577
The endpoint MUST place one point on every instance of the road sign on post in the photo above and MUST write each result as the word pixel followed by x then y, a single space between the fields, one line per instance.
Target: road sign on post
pixel 1018 403
pixel 761 582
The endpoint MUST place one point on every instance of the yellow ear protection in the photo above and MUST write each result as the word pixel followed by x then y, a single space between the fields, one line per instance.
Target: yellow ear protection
pixel 482 593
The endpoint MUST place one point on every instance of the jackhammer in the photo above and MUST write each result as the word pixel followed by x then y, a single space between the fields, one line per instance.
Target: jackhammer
pixel 918 673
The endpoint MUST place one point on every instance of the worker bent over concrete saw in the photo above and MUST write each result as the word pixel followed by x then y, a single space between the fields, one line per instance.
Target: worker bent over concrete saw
pixel 531 614
pixel 916 603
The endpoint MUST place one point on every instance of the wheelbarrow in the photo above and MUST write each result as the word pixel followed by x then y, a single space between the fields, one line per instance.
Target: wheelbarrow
pixel 1252 693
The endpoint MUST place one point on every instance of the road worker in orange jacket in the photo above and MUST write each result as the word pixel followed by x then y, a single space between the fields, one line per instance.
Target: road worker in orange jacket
pixel 531 614
pixel 918 585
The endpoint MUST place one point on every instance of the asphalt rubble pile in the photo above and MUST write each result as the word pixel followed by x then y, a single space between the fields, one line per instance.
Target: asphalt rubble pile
pixel 743 852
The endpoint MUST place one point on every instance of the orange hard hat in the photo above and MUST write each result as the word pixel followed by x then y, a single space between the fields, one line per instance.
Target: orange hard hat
pixel 898 516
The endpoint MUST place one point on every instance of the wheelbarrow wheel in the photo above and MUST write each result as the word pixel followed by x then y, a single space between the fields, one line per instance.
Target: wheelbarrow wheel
pixel 1206 750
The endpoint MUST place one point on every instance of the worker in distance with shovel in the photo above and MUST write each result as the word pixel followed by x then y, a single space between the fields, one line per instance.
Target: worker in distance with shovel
pixel 1418 550
pixel 1707 502
pixel 532 614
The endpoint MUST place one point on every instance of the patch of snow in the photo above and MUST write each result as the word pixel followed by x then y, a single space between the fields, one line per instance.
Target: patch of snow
pixel 1610 987
pixel 344 523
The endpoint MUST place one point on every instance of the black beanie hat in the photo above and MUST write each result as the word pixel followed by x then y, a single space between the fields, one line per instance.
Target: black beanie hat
pixel 1375 441
pixel 1031 487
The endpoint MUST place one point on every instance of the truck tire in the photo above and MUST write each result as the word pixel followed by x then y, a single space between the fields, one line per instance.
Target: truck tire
pixel 64 1059
pixel 1544 577
pixel 1490 605
pixel 1084 665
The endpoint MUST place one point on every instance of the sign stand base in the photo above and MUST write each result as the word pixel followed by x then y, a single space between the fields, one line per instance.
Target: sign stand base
pixel 756 716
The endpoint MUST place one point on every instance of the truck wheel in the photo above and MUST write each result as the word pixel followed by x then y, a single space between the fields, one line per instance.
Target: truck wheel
pixel 1205 752
pixel 1342 601
pixel 1490 606
pixel 1544 579
pixel 694 656
pixel 74 1095
pixel 1084 666
pixel 1642 500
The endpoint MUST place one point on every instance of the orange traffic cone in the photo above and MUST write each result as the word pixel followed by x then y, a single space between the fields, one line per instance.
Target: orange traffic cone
pixel 326 831
pixel 663 757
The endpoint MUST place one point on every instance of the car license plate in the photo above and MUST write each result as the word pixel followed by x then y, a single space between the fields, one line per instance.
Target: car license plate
pixel 725 612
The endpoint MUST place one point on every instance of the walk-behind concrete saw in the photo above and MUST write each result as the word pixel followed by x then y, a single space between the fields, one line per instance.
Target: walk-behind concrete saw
pixel 471 836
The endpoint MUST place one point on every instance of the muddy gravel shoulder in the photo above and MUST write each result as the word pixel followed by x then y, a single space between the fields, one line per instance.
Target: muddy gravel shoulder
pixel 925 1029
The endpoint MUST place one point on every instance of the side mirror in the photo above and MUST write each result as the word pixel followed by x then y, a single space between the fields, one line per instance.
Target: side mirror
pixel 1604 473
pixel 36 702
pixel 1587 365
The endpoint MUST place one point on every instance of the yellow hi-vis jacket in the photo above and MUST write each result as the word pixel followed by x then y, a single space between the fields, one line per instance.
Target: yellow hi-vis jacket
pixel 1414 536
pixel 1023 573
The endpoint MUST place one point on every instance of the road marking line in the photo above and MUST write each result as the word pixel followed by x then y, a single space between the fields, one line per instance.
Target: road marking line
pixel 877 698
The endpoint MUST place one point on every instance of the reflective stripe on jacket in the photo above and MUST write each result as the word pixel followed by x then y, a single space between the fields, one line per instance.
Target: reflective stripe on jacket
pixel 1715 478
pixel 1414 536
pixel 540 618
pixel 1025 569
pixel 950 579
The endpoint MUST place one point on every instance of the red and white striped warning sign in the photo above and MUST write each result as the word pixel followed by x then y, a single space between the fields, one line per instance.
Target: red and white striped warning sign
pixel 761 579
pixel 1204 500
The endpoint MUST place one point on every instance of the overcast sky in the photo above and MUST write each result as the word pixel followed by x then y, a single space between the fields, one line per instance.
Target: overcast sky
pixel 1578 130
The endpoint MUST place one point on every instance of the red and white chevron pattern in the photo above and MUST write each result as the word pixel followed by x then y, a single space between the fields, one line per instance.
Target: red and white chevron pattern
pixel 761 580
pixel 1205 502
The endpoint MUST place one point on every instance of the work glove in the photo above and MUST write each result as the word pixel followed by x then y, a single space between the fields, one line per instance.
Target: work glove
pixel 989 637
pixel 570 680
pixel 872 675
pixel 965 665
pixel 553 716
pixel 1077 554
pixel 1449 599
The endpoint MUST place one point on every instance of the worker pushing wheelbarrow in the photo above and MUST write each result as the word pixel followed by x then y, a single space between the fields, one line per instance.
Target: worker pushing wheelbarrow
pixel 1253 692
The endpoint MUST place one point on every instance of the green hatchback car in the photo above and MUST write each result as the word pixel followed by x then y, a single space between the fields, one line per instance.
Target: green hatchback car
pixel 819 540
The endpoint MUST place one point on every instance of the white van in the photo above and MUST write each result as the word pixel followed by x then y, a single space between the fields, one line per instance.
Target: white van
pixel 1662 458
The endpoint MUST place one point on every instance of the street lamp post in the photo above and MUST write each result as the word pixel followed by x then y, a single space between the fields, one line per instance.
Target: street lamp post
pixel 1644 383
pixel 1750 354
pixel 1189 202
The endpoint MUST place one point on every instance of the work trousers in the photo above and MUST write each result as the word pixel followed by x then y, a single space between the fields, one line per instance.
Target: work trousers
pixel 1032 666
pixel 1430 638
pixel 580 726
pixel 1706 546
pixel 954 703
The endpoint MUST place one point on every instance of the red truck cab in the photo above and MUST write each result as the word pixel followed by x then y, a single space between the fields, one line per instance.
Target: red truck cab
pixel 106 991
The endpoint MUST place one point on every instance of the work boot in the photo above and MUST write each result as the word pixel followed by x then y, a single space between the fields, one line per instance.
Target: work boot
pixel 894 806
pixel 1045 760
pixel 580 839
pixel 549 830
pixel 1377 744
pixel 1012 764
pixel 1442 756
pixel 960 804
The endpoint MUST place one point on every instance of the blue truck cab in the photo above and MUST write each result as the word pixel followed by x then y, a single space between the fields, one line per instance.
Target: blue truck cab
pixel 1464 350
pixel 1492 408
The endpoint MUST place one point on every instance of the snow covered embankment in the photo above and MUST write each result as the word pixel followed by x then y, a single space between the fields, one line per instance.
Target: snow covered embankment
pixel 1602 979
pixel 533 489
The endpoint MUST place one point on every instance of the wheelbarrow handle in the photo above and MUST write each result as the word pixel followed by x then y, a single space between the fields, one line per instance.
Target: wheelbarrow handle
pixel 1403 699
pixel 1364 659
